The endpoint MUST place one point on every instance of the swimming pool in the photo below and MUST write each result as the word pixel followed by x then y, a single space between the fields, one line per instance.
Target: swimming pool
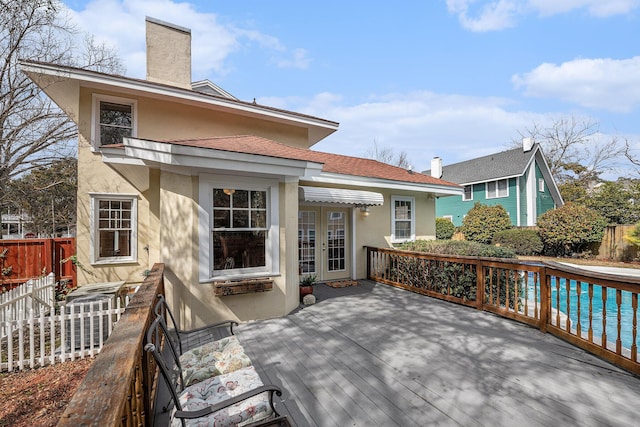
pixel 626 311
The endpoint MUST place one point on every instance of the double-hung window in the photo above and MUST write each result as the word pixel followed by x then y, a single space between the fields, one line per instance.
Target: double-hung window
pixel 239 234
pixel 114 119
pixel 113 228
pixel 468 193
pixel 499 188
pixel 403 219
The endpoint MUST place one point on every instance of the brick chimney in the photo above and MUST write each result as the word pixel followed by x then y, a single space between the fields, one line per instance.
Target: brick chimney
pixel 168 53
pixel 436 167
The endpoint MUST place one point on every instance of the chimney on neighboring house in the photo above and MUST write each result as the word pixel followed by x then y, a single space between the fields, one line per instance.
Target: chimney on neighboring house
pixel 436 167
pixel 527 144
pixel 168 53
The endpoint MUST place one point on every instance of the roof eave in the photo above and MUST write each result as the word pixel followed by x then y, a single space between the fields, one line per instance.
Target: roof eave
pixel 359 181
pixel 318 128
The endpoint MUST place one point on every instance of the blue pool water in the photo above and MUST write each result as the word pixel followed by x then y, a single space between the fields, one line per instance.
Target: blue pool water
pixel 626 332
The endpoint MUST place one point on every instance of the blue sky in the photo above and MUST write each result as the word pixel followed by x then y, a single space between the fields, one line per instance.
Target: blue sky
pixel 450 78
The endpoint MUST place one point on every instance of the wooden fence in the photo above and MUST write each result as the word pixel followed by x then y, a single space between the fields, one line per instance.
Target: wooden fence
pixel 33 298
pixel 118 389
pixel 25 259
pixel 594 311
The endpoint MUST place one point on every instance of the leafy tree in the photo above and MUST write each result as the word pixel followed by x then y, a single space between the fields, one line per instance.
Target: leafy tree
pixel 615 202
pixel 48 196
pixel 570 229
pixel 34 132
pixel 483 222
pixel 444 229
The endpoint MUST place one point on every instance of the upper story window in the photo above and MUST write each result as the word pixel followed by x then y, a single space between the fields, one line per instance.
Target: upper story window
pixel 403 219
pixel 497 189
pixel 113 228
pixel 239 227
pixel 541 185
pixel 114 119
pixel 468 193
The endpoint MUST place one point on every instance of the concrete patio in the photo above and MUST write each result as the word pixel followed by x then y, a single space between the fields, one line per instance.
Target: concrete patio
pixel 375 355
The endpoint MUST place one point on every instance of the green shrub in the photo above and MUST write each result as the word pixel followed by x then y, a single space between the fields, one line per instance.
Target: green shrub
pixel 524 241
pixel 570 229
pixel 458 247
pixel 482 222
pixel 444 229
pixel 633 237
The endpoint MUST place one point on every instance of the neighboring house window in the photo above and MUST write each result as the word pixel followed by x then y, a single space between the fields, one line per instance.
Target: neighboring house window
pixel 468 193
pixel 402 219
pixel 239 226
pixel 113 228
pixel 449 217
pixel 497 189
pixel 541 185
pixel 114 118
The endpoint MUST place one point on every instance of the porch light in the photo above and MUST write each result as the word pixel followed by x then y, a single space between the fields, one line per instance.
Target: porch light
pixel 364 210
pixel 228 191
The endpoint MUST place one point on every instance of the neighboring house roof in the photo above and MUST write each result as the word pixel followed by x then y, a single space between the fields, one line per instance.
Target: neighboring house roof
pixel 505 164
pixel 491 167
pixel 317 128
pixel 331 163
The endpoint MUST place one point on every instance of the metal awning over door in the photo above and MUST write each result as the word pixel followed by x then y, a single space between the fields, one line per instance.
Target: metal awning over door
pixel 340 195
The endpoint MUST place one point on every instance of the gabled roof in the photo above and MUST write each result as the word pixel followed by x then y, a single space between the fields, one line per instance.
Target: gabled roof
pixel 331 163
pixel 508 163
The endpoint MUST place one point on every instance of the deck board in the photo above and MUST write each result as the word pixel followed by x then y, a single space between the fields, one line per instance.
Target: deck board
pixel 373 355
pixel 376 355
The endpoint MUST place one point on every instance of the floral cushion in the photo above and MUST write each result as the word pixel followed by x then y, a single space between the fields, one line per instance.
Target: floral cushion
pixel 212 359
pixel 220 388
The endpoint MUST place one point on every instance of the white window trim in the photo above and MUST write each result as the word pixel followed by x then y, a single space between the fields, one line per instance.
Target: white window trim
pixel 541 185
pixel 93 235
pixel 449 217
pixel 393 218
pixel 207 183
pixel 470 198
pixel 496 196
pixel 95 116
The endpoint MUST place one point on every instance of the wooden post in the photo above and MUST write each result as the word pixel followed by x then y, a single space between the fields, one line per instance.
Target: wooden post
pixel 545 300
pixel 480 285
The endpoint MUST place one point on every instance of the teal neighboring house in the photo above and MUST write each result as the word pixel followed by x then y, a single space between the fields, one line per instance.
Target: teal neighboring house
pixel 518 179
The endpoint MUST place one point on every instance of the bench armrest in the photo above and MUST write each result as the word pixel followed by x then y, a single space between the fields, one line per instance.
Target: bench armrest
pixel 218 406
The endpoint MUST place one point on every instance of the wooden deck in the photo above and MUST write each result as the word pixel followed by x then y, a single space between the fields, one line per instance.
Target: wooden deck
pixel 375 355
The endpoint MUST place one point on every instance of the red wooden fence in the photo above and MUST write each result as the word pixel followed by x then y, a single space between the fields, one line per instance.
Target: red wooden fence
pixel 24 259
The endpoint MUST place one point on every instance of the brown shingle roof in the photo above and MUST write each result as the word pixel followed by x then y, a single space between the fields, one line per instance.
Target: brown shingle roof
pixel 332 163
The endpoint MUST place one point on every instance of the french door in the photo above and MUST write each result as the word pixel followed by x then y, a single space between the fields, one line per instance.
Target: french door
pixel 324 242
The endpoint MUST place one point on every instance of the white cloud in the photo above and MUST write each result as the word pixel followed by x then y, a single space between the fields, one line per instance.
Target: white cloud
pixel 422 124
pixel 120 23
pixel 299 60
pixel 598 8
pixel 493 15
pixel 607 84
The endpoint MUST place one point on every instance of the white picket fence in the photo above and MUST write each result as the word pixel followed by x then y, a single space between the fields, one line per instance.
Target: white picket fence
pixel 72 331
pixel 34 297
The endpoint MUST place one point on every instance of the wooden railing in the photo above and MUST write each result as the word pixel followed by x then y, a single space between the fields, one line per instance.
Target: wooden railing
pixel 594 311
pixel 119 387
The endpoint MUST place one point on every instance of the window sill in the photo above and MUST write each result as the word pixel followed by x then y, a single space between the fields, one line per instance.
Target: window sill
pixel 238 287
pixel 114 262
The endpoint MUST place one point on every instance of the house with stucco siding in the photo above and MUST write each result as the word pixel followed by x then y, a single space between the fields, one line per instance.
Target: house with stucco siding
pixel 222 191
